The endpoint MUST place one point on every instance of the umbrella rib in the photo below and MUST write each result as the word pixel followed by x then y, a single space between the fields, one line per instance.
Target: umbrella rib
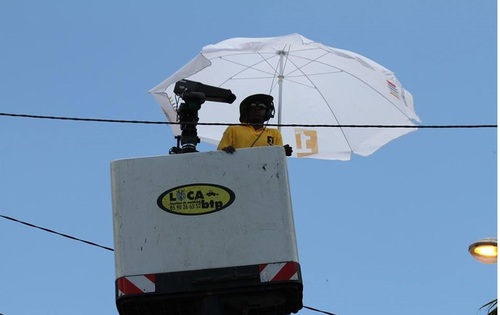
pixel 246 67
pixel 382 95
pixel 311 61
pixel 290 78
pixel 323 97
pixel 342 70
pixel 274 74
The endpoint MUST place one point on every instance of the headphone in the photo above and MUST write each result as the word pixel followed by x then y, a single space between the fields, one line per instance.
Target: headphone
pixel 260 98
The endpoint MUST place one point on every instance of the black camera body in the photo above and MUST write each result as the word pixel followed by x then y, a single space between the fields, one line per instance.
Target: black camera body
pixel 211 93
pixel 194 94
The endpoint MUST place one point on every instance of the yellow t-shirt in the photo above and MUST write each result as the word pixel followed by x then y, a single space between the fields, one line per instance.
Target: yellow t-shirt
pixel 245 136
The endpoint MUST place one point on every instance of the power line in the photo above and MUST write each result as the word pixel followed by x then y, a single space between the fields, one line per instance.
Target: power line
pixel 84 119
pixel 105 247
pixel 231 124
pixel 317 310
pixel 213 124
pixel 55 232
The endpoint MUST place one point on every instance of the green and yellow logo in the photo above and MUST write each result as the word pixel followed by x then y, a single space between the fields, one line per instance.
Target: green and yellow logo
pixel 196 199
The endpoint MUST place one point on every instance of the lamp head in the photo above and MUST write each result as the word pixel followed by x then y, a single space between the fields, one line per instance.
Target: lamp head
pixel 485 250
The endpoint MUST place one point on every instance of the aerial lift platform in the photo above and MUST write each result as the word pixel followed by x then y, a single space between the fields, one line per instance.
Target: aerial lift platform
pixel 205 233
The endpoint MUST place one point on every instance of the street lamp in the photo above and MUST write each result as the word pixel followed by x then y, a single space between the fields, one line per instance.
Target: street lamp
pixel 485 250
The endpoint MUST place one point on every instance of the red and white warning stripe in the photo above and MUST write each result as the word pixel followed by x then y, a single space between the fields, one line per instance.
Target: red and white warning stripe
pixel 136 285
pixel 279 272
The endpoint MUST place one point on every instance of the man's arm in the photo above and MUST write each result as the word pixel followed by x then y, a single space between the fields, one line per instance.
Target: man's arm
pixel 279 141
pixel 226 142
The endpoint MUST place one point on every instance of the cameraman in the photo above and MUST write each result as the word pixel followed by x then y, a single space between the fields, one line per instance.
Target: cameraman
pixel 254 111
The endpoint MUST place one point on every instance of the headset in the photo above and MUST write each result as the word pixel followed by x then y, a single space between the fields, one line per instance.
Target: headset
pixel 261 98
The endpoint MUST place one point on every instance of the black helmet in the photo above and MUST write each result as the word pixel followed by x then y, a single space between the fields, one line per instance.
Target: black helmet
pixel 257 98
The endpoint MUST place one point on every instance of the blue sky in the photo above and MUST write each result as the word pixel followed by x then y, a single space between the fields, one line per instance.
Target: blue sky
pixel 382 234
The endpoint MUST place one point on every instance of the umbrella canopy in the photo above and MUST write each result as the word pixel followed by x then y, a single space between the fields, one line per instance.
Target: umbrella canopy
pixel 312 84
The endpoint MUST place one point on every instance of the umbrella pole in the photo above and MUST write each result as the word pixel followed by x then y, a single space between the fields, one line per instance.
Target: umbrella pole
pixel 281 53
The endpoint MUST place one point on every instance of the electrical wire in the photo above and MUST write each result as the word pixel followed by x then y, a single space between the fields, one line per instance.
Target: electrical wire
pixel 55 232
pixel 232 124
pixel 214 124
pixel 317 310
pixel 104 247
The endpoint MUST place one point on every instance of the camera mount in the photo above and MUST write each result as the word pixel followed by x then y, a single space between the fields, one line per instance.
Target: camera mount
pixel 194 94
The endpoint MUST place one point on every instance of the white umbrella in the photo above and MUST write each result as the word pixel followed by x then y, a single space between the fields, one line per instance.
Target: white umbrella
pixel 312 84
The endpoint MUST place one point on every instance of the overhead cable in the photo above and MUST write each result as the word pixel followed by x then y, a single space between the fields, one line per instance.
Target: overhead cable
pixel 105 247
pixel 54 232
pixel 231 124
pixel 317 310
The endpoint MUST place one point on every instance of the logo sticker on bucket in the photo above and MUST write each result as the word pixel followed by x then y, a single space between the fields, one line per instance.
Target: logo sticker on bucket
pixel 196 199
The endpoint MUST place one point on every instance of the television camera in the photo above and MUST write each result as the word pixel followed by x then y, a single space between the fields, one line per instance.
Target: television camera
pixel 194 94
